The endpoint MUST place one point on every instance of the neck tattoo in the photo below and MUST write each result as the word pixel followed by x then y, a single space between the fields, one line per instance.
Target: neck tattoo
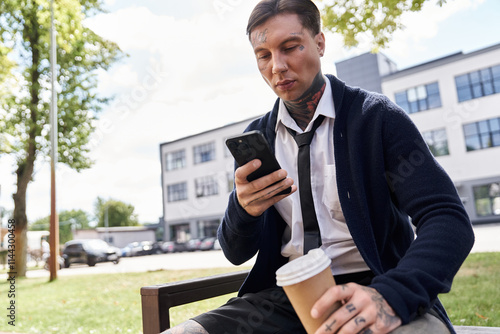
pixel 302 109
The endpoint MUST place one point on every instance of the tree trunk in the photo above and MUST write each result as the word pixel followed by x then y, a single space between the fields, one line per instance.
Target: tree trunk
pixel 25 168
pixel 20 236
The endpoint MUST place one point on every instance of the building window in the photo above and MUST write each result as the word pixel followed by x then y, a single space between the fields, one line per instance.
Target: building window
pixel 483 134
pixel 479 83
pixel 175 160
pixel 487 199
pixel 204 153
pixel 206 186
pixel 419 98
pixel 177 192
pixel 437 142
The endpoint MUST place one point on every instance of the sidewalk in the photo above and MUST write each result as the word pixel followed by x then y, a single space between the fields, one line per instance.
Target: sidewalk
pixel 487 237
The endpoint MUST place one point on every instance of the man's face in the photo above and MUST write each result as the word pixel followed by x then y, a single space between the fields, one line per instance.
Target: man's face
pixel 288 55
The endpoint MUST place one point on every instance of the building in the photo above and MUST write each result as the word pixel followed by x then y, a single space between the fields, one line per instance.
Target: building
pixel 454 101
pixel 118 236
pixel 197 177
pixel 366 70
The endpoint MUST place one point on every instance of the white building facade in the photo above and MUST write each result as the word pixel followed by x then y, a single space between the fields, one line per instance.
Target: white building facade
pixel 454 101
pixel 197 177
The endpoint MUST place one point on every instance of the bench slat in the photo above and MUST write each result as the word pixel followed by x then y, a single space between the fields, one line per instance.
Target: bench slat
pixel 476 330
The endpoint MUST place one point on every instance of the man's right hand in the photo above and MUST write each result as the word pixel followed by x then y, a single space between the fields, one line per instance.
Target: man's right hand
pixel 257 196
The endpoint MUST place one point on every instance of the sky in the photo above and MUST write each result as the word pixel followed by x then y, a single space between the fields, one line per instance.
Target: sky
pixel 190 68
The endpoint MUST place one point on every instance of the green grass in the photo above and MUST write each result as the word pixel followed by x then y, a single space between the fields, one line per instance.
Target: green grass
pixel 93 303
pixel 111 303
pixel 474 299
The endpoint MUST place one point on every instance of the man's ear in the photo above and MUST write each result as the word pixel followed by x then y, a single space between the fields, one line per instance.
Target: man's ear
pixel 319 39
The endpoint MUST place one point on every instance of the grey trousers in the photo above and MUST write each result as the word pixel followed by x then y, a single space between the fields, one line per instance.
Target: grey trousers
pixel 426 324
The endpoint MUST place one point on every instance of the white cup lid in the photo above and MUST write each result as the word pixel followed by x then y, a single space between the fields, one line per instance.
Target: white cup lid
pixel 302 268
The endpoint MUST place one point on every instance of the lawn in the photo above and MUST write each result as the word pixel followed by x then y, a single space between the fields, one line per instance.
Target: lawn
pixel 111 303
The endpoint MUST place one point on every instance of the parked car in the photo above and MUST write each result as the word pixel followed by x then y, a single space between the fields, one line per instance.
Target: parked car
pixel 89 251
pixel 193 245
pixel 180 246
pixel 132 249
pixel 157 247
pixel 146 248
pixel 167 247
pixel 207 243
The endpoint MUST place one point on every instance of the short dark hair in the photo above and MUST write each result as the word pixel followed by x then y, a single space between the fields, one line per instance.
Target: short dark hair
pixel 306 10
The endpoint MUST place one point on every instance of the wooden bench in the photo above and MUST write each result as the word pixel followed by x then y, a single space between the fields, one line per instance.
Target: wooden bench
pixel 158 299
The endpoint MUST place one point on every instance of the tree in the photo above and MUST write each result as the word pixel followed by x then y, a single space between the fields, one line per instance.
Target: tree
pixel 68 221
pixel 379 18
pixel 24 108
pixel 118 213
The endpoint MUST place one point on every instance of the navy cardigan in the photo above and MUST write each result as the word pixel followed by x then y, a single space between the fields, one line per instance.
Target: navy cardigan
pixel 385 174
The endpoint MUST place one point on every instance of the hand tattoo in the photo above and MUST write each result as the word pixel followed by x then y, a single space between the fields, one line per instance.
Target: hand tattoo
pixel 385 313
pixel 329 327
pixel 359 320
pixel 350 307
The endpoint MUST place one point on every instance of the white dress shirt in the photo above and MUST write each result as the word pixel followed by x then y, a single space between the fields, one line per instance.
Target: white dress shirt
pixel 336 239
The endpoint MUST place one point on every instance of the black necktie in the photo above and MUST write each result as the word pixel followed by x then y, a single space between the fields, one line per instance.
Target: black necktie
pixel 312 237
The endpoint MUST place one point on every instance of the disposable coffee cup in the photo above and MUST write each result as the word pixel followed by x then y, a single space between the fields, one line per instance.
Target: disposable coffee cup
pixel 305 280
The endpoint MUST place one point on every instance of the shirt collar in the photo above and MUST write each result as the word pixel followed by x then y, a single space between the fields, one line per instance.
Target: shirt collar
pixel 325 107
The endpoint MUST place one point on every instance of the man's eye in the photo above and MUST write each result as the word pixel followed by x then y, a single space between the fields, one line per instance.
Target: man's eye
pixel 263 56
pixel 291 48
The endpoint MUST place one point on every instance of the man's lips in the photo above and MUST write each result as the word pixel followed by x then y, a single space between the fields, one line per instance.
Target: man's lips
pixel 285 84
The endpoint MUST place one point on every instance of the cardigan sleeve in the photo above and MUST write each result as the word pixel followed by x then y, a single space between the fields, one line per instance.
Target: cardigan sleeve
pixel 239 232
pixel 444 236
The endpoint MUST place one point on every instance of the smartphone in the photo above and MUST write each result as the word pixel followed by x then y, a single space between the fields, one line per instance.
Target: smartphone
pixel 253 145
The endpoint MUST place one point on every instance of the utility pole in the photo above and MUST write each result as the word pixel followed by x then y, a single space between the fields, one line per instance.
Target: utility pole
pixel 54 220
pixel 106 223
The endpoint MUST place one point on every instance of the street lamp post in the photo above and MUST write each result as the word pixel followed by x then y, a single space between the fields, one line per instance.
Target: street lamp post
pixel 54 225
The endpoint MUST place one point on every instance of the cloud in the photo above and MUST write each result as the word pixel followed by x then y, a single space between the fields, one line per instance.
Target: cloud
pixel 424 25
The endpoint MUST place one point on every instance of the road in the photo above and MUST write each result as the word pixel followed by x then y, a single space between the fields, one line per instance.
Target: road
pixel 487 240
pixel 174 261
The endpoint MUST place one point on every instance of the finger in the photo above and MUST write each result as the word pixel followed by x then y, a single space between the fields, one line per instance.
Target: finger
pixel 270 181
pixel 241 173
pixel 358 324
pixel 262 192
pixel 334 294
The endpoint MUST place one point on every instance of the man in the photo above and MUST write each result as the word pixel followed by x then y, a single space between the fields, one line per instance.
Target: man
pixel 370 170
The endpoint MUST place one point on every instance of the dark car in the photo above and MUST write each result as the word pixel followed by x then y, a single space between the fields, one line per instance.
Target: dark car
pixel 146 248
pixel 180 246
pixel 207 243
pixel 89 251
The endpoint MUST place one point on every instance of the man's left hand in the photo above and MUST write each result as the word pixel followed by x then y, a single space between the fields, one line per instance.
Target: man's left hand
pixel 363 310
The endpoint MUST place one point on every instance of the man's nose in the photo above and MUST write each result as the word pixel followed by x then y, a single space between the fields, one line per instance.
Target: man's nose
pixel 279 64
